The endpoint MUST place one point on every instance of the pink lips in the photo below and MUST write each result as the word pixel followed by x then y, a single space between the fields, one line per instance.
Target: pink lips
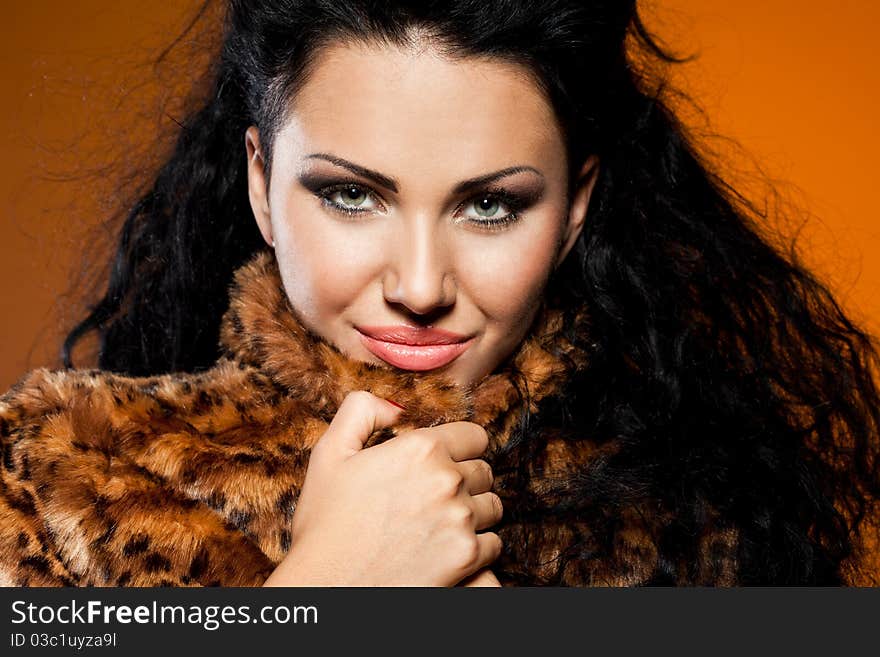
pixel 413 348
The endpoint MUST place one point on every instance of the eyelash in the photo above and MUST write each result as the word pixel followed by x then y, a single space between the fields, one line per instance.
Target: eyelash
pixel 514 203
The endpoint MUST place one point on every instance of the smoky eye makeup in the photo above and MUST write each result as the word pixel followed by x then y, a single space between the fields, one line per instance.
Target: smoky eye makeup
pixel 326 187
pixel 495 207
pixel 495 197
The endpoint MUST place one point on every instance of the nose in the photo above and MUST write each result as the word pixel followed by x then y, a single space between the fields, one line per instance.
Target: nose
pixel 418 275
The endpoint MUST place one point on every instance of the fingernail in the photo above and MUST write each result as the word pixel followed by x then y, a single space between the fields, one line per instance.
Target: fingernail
pixel 394 403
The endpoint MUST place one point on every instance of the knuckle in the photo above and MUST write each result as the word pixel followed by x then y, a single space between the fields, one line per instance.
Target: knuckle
pixel 463 514
pixel 449 482
pixel 420 444
pixel 468 551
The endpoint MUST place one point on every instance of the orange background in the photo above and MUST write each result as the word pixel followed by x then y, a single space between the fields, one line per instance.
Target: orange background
pixel 794 82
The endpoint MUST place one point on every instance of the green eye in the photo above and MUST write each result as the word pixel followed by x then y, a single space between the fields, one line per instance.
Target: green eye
pixel 347 198
pixel 352 196
pixel 486 206
pixel 493 210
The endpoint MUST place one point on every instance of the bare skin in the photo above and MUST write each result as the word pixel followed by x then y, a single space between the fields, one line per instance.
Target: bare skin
pixel 415 250
pixel 414 503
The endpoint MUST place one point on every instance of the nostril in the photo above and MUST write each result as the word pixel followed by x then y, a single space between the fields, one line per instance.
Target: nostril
pixel 420 296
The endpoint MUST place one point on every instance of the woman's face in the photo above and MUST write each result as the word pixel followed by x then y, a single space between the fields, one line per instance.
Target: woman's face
pixel 417 206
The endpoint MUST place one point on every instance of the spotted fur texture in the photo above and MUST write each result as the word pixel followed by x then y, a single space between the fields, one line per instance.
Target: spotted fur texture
pixel 193 479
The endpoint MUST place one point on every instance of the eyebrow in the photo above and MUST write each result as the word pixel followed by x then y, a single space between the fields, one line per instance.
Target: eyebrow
pixel 391 183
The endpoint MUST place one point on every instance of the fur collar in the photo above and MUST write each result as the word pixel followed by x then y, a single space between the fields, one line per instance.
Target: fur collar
pixel 261 328
pixel 192 479
pixel 184 479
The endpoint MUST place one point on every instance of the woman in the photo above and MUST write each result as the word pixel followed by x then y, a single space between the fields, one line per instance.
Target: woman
pixel 482 213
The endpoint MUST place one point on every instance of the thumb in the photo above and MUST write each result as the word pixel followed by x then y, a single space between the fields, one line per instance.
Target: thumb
pixel 359 415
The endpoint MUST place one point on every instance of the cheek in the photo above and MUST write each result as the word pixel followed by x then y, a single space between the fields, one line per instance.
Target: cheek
pixel 325 264
pixel 506 274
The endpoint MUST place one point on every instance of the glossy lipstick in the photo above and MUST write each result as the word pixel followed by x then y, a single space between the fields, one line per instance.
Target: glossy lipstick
pixel 413 348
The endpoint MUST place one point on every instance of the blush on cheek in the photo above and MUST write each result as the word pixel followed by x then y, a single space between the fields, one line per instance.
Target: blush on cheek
pixel 325 263
pixel 314 289
pixel 507 283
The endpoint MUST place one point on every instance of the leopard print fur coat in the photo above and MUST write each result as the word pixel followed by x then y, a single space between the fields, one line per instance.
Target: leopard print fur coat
pixel 192 479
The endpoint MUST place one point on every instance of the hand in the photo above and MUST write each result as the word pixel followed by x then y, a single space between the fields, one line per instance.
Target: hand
pixel 483 578
pixel 405 512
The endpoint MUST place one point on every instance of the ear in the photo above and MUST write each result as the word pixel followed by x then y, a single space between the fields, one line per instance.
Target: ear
pixel 580 200
pixel 257 187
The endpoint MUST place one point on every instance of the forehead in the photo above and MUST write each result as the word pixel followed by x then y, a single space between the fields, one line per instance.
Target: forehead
pixel 374 99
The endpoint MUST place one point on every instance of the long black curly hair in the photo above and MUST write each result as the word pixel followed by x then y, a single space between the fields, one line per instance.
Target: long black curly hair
pixel 726 373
